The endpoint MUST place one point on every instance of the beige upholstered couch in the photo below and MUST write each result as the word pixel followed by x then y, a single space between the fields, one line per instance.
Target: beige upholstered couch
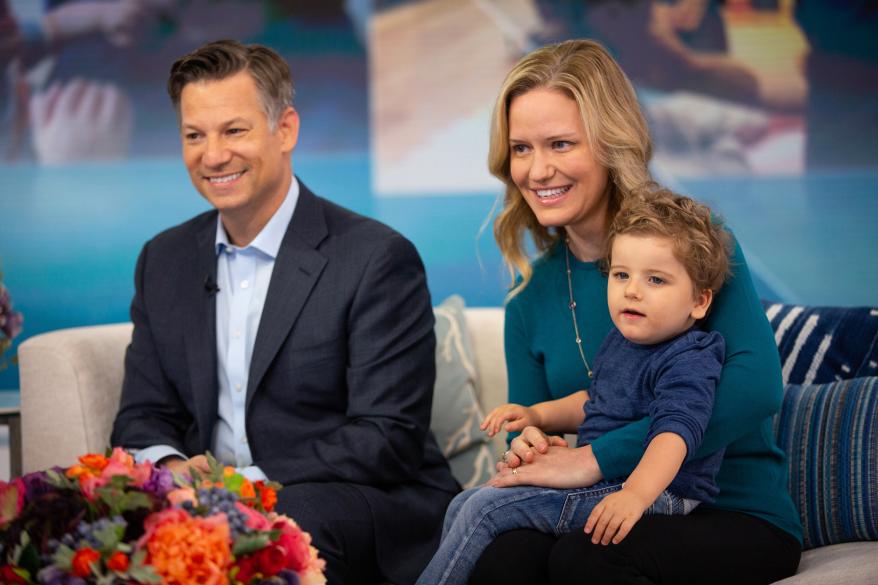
pixel 71 379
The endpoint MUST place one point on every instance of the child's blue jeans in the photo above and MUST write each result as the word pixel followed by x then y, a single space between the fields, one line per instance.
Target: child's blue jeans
pixel 478 515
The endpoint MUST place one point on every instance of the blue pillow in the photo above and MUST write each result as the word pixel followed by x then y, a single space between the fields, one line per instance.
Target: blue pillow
pixel 824 344
pixel 830 435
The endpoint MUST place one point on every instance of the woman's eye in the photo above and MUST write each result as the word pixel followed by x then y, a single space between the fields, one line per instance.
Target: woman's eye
pixel 519 148
pixel 562 144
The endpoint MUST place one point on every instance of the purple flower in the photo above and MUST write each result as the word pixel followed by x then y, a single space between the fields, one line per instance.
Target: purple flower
pixel 37 484
pixel 285 577
pixel 10 321
pixel 160 482
pixel 55 576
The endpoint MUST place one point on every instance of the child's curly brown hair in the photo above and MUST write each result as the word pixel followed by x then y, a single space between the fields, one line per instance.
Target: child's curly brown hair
pixel 700 241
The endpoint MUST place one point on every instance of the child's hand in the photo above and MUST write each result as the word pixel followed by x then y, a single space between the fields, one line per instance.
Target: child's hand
pixel 614 517
pixel 515 416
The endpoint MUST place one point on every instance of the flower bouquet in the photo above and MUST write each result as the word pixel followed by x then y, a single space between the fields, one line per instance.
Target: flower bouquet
pixel 110 521
pixel 10 323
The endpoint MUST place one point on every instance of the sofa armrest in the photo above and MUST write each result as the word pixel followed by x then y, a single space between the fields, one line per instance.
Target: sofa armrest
pixel 71 381
pixel 485 325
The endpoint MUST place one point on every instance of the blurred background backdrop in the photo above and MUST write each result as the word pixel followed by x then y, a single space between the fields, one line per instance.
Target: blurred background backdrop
pixel 765 109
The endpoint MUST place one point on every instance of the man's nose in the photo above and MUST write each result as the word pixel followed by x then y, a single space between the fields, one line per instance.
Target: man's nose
pixel 216 154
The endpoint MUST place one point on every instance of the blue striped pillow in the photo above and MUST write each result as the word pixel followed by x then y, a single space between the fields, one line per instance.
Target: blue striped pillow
pixel 830 435
pixel 824 344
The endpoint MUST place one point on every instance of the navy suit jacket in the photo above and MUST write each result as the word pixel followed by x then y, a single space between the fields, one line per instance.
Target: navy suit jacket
pixel 341 377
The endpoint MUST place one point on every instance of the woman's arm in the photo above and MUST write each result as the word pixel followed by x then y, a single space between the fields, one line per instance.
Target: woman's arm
pixel 749 390
pixel 527 375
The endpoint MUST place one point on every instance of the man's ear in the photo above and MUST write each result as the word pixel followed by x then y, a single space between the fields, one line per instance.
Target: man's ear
pixel 702 304
pixel 288 129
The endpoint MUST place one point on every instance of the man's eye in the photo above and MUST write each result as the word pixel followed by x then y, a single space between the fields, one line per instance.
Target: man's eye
pixel 192 136
pixel 235 131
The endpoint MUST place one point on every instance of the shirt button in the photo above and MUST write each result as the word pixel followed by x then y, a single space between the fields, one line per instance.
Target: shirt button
pixel 243 440
pixel 245 284
pixel 237 334
pixel 238 387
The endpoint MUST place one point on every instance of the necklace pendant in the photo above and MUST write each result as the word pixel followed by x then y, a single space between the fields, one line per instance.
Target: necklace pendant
pixel 572 305
pixel 590 374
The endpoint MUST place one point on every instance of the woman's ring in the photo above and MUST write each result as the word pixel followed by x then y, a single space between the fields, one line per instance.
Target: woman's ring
pixel 506 456
pixel 514 471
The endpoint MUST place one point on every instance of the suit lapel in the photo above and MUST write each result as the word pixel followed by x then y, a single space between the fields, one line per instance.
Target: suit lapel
pixel 200 334
pixel 296 270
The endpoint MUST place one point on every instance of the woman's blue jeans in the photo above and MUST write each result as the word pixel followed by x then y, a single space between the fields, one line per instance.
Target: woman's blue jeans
pixel 478 515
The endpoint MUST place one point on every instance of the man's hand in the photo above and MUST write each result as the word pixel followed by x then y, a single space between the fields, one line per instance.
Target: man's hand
pixel 614 517
pixel 557 467
pixel 182 466
pixel 515 416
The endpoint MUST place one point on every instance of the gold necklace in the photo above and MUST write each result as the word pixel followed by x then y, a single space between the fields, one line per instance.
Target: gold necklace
pixel 572 306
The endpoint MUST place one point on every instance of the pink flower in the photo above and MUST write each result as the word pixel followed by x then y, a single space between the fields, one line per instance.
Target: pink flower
pixel 180 495
pixel 254 520
pixel 294 542
pixel 122 463
pixel 11 500
pixel 89 484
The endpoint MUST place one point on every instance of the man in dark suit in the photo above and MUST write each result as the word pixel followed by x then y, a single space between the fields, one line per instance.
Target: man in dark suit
pixel 290 337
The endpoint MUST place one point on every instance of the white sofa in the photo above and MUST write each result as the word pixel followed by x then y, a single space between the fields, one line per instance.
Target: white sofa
pixel 71 380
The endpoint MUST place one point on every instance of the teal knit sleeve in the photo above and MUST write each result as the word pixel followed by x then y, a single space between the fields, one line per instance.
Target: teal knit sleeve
pixel 750 387
pixel 527 377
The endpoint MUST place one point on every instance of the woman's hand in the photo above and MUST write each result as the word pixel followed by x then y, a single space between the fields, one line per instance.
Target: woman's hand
pixel 527 445
pixel 515 416
pixel 614 517
pixel 557 467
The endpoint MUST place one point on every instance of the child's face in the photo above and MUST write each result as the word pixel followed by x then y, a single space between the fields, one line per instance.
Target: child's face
pixel 649 293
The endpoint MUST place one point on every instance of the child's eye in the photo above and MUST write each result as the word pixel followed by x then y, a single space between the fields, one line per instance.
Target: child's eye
pixel 619 275
pixel 656 280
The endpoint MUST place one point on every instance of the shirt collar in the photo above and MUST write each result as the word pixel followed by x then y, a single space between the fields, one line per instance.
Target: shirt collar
pixel 268 240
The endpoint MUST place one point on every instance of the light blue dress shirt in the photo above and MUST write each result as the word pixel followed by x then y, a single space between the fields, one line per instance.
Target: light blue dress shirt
pixel 243 275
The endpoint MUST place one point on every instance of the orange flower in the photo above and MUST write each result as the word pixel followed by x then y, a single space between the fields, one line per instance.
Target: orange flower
pixel 94 461
pixel 247 491
pixel 185 550
pixel 118 562
pixel 82 561
pixel 267 496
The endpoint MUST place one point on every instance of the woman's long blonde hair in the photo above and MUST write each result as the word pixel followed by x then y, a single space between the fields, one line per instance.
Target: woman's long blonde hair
pixel 614 126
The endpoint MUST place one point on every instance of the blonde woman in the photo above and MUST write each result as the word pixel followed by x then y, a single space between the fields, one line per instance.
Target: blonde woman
pixel 570 143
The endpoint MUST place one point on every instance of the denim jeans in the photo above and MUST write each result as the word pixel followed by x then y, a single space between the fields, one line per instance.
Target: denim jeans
pixel 478 515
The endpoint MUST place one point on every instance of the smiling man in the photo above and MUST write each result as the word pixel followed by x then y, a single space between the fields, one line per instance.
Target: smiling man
pixel 269 332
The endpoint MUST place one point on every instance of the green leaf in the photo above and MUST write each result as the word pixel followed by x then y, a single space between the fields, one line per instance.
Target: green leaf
pixel 109 536
pixel 139 571
pixel 63 557
pixel 61 481
pixel 29 558
pixel 247 544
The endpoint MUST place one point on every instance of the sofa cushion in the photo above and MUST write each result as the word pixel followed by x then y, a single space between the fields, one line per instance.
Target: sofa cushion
pixel 830 435
pixel 456 412
pixel 824 344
